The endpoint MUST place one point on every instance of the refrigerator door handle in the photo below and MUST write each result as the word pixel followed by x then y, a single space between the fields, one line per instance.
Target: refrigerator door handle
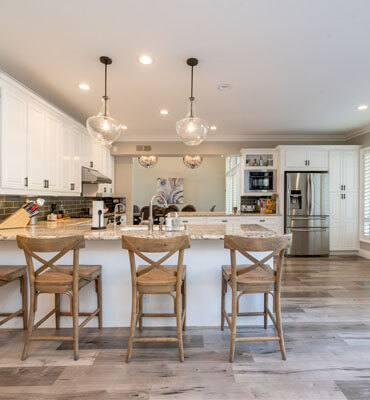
pixel 309 194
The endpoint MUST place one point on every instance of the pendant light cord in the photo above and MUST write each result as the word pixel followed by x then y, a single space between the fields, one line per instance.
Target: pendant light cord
pixel 191 94
pixel 105 90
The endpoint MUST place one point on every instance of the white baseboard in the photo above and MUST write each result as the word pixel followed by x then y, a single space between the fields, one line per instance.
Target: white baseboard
pixel 364 253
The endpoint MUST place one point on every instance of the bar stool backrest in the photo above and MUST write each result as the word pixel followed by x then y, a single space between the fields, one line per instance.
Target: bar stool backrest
pixel 61 246
pixel 138 246
pixel 275 246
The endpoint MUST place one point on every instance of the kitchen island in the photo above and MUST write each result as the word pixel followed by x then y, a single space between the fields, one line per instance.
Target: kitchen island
pixel 203 260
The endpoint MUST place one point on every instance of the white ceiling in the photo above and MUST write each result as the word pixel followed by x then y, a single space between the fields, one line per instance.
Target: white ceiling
pixel 296 67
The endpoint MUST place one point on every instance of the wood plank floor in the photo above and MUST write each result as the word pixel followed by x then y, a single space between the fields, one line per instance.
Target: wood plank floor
pixel 326 316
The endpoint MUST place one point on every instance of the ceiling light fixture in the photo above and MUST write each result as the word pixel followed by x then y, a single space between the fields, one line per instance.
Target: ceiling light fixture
pixel 192 130
pixel 147 161
pixel 164 112
pixel 213 128
pixel 362 107
pixel 146 60
pixel 192 162
pixel 102 127
pixel 84 86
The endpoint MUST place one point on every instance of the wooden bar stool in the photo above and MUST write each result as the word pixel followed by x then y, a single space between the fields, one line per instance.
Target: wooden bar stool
pixel 9 273
pixel 256 277
pixel 58 279
pixel 157 278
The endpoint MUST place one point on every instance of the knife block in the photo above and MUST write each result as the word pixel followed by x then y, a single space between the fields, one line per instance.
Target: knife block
pixel 19 219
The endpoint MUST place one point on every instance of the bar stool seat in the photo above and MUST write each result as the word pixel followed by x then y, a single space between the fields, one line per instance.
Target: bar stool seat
pixel 64 278
pixel 9 273
pixel 159 279
pixel 260 279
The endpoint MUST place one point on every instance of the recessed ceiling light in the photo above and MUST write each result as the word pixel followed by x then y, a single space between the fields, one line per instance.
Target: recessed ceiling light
pixel 163 112
pixel 123 126
pixel 362 107
pixel 224 86
pixel 213 128
pixel 84 86
pixel 146 60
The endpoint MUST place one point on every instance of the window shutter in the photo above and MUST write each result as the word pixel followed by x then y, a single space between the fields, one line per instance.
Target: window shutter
pixel 366 227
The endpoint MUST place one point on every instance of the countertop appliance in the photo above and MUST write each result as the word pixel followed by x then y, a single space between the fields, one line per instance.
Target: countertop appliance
pixel 260 181
pixel 307 212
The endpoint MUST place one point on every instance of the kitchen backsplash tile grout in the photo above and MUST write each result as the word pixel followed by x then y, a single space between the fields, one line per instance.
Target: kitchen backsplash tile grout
pixel 73 206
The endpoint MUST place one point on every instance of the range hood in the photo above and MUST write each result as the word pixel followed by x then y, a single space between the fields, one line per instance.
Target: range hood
pixel 90 175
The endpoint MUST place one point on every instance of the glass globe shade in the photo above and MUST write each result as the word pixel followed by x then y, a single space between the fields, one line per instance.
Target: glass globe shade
pixel 192 162
pixel 192 130
pixel 102 127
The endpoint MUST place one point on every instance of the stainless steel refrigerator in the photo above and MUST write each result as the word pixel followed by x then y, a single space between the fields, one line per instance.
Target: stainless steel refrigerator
pixel 307 212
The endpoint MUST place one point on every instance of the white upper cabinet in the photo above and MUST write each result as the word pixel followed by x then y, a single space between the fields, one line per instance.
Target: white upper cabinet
pixel 344 170
pixel 295 159
pixel 40 145
pixel 304 158
pixel 53 152
pixel 75 161
pixel 36 149
pixel 13 138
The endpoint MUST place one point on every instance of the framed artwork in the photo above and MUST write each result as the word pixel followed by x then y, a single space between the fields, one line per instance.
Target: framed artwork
pixel 172 189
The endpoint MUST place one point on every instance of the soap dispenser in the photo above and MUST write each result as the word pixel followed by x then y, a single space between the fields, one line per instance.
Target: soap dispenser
pixel 98 215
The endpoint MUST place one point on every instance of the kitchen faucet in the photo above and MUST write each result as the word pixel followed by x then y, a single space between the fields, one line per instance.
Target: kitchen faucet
pixel 150 226
pixel 115 214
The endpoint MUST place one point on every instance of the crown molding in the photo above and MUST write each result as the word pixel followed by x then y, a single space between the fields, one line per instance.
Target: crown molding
pixel 317 137
pixel 357 132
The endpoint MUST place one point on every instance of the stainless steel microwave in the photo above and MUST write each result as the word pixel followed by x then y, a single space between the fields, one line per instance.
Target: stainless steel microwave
pixel 260 181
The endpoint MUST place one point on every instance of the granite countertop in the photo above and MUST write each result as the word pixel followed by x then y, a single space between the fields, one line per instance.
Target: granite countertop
pixel 222 214
pixel 79 227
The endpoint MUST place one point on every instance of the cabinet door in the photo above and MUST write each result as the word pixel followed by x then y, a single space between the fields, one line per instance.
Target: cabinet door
pixel 349 170
pixel 65 144
pixel 318 159
pixel 349 207
pixel 36 149
pixel 349 235
pixel 336 199
pixel 335 235
pixel 13 139
pixel 75 162
pixel 86 151
pixel 335 170
pixel 295 158
pixel 53 152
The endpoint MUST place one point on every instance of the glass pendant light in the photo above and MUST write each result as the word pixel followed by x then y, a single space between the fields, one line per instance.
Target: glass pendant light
pixel 192 162
pixel 102 127
pixel 147 161
pixel 192 130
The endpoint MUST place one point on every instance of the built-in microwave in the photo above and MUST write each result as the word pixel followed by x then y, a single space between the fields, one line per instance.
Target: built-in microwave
pixel 260 181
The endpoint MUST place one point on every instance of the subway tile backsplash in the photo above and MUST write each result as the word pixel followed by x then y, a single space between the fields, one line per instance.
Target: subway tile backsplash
pixel 73 206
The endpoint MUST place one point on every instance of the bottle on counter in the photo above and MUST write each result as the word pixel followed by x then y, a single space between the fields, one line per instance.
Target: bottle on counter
pixel 255 163
pixel 61 211
pixel 260 162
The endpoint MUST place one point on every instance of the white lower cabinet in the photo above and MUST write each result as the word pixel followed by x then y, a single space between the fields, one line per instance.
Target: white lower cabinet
pixel 193 220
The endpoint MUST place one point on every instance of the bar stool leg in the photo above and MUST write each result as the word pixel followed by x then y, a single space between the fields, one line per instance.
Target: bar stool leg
pixel 179 327
pixel 100 303
pixel 31 322
pixel 141 300
pixel 75 312
pixel 24 293
pixel 279 325
pixel 222 302
pixel 132 326
pixel 233 322
pixel 57 310
pixel 184 303
pixel 266 306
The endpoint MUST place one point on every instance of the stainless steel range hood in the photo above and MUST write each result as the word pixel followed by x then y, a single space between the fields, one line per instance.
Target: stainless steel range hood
pixel 92 176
